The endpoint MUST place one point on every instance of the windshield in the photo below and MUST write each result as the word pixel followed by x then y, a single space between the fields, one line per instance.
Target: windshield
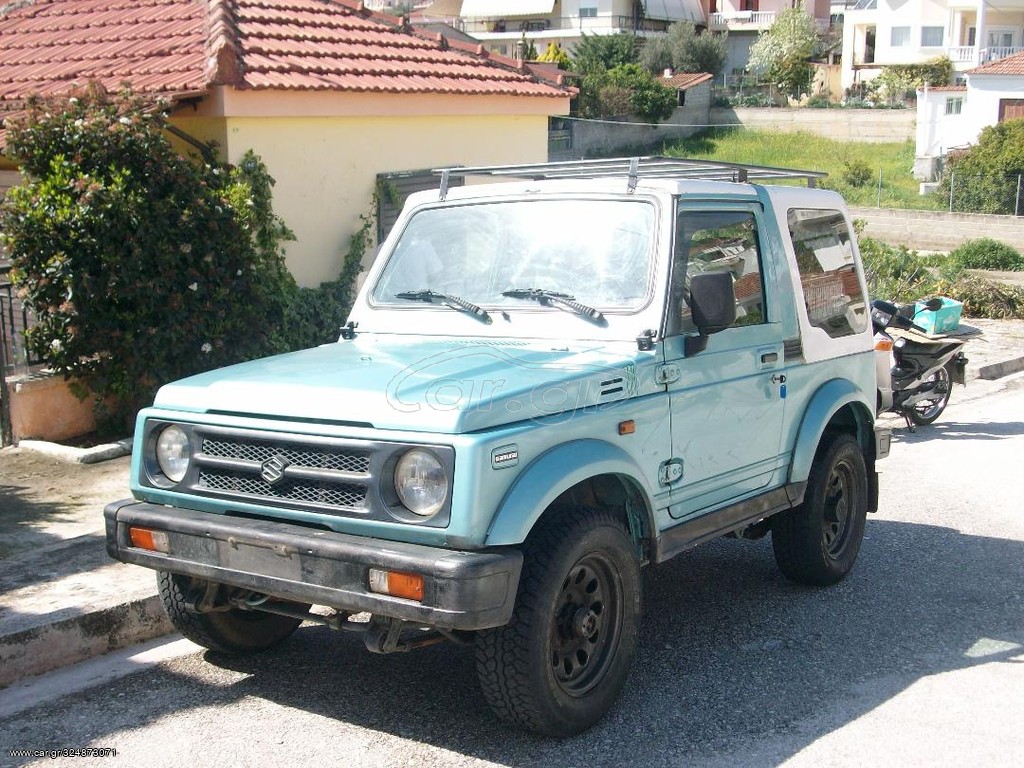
pixel 597 251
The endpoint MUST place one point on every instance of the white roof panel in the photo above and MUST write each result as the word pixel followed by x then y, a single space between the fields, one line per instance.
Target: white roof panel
pixel 673 10
pixel 503 8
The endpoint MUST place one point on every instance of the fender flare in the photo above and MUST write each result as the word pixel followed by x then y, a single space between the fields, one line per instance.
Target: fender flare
pixel 551 474
pixel 824 404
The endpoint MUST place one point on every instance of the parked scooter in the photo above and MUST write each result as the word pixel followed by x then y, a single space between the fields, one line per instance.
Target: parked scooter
pixel 916 371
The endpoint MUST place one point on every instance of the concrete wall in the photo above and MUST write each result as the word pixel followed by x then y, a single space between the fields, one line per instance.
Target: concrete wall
pixel 939 231
pixel 43 408
pixel 877 125
pixel 604 138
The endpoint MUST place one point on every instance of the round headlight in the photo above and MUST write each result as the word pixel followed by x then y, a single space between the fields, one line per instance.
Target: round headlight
pixel 172 453
pixel 421 482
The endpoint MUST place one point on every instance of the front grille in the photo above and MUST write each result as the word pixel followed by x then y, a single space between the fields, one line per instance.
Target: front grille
pixel 329 494
pixel 263 473
pixel 330 458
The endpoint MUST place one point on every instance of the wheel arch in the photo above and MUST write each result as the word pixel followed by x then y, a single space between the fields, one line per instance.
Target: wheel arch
pixel 581 467
pixel 837 405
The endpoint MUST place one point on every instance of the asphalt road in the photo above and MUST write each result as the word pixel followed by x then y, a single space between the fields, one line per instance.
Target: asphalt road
pixel 916 659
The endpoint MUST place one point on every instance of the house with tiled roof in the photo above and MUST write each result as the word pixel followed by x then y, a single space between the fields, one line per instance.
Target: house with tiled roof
pixel 327 93
pixel 692 83
pixel 952 117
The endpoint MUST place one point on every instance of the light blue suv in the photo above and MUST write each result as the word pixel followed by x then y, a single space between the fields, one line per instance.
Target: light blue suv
pixel 544 385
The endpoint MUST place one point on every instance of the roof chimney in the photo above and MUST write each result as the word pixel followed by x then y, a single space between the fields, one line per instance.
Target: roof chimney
pixel 668 72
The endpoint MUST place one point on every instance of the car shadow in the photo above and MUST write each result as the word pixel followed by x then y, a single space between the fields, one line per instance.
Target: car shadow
pixel 730 654
pixel 957 430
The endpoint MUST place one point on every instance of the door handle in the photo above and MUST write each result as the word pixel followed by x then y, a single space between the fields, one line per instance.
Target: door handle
pixel 770 357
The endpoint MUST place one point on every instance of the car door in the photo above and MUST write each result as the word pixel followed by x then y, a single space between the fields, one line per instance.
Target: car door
pixel 727 402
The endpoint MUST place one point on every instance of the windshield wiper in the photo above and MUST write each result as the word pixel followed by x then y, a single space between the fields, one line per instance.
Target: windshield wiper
pixel 435 297
pixel 559 300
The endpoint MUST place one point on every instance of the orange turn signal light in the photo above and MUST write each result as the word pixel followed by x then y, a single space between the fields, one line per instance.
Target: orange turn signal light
pixel 397 583
pixel 144 538
pixel 627 427
pixel 883 345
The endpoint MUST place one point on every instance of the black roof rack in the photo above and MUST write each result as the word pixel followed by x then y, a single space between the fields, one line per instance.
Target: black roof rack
pixel 639 167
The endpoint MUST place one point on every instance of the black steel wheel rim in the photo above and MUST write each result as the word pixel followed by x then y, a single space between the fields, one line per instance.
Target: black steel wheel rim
pixel 926 409
pixel 587 624
pixel 839 505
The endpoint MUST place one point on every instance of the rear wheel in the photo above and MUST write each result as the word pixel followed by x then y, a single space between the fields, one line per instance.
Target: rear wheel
pixel 817 542
pixel 233 631
pixel 559 665
pixel 925 412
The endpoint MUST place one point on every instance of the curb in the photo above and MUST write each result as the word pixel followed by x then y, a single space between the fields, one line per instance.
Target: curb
pixel 79 455
pixel 48 647
pixel 998 370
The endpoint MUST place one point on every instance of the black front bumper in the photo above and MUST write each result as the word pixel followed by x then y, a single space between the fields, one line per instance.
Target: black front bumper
pixel 461 590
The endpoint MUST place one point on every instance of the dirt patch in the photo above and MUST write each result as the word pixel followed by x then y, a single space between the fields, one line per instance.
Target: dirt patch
pixel 44 500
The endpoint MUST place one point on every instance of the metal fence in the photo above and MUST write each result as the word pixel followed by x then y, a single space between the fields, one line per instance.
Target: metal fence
pixel 967 193
pixel 953 193
pixel 15 357
pixel 15 318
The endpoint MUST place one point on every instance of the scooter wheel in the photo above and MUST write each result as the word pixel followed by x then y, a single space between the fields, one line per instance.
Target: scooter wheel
pixel 927 411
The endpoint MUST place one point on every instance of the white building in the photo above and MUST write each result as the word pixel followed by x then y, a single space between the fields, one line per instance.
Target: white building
pixel 969 32
pixel 744 20
pixel 952 117
pixel 501 24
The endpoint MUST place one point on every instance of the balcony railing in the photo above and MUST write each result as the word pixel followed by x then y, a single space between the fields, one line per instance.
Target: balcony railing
pixel 752 20
pixel 969 54
pixel 997 52
pixel 515 27
pixel 962 54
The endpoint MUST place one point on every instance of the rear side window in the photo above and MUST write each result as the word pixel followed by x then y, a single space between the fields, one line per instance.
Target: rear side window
pixel 824 256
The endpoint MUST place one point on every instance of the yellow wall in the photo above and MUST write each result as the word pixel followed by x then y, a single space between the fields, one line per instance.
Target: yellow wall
pixel 326 167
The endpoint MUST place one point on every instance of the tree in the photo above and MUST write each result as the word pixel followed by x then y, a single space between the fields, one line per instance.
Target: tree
pixel 555 54
pixel 648 99
pixel 684 50
pixel 141 265
pixel 528 51
pixel 899 83
pixel 783 52
pixel 986 176
pixel 597 53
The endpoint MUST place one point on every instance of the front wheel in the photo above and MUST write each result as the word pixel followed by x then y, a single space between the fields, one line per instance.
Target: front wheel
pixel 559 665
pixel 233 631
pixel 924 412
pixel 817 542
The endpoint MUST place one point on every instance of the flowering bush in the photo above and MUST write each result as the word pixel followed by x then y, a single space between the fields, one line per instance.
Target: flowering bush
pixel 141 264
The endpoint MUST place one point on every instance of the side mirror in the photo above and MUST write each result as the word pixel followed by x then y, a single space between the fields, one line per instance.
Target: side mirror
pixel 713 306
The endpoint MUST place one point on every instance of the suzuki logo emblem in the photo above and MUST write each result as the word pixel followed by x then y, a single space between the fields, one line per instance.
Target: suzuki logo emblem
pixel 273 469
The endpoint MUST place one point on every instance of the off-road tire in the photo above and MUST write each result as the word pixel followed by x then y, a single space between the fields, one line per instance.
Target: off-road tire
pixel 561 662
pixel 929 415
pixel 232 632
pixel 817 542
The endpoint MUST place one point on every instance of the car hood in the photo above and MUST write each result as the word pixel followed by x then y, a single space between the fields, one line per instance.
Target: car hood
pixel 441 385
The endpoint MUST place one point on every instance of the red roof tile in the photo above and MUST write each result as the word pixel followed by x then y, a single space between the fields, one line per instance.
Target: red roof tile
pixel 1011 65
pixel 684 80
pixel 185 46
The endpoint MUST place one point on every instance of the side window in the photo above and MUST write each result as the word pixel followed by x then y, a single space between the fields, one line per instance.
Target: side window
pixel 824 257
pixel 710 241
